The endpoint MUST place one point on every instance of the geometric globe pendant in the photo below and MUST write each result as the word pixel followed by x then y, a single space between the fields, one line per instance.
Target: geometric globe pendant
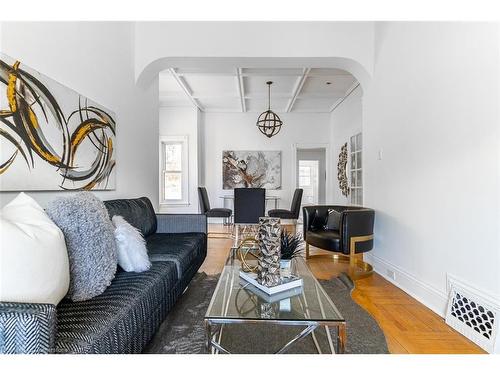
pixel 269 123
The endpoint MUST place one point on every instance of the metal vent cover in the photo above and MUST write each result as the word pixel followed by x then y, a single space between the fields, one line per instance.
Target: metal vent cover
pixel 472 316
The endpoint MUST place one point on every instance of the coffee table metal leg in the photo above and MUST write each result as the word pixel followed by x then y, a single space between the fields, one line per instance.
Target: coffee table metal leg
pixel 302 334
pixel 341 339
pixel 212 346
pixel 208 332
pixel 220 348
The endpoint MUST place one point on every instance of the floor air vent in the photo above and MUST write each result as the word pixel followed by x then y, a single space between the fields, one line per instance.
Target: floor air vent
pixel 472 316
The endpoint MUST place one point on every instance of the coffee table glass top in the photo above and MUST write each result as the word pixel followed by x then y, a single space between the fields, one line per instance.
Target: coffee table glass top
pixel 235 299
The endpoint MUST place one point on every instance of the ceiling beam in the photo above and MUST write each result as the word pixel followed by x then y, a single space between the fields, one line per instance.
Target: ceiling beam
pixel 341 100
pixel 182 83
pixel 241 90
pixel 298 87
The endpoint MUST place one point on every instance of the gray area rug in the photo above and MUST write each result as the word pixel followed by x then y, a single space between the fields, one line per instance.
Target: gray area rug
pixel 183 331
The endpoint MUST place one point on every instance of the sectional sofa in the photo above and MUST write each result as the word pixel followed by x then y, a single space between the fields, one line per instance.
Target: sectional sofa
pixel 126 316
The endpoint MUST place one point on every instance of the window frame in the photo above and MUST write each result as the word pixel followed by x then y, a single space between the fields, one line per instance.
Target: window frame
pixel 183 140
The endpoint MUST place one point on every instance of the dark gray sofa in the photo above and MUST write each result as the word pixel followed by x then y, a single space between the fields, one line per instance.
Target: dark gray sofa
pixel 125 317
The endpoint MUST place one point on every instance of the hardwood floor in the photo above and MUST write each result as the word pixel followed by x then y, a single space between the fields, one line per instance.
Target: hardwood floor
pixel 408 325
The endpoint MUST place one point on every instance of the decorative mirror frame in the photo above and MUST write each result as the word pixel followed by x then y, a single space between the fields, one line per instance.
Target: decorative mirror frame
pixel 342 171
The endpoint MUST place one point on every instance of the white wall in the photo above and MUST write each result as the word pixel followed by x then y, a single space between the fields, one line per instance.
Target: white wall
pixel 183 121
pixel 97 60
pixel 237 131
pixel 432 108
pixel 345 121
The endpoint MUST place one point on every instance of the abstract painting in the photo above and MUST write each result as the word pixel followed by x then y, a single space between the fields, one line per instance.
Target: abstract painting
pixel 51 137
pixel 251 169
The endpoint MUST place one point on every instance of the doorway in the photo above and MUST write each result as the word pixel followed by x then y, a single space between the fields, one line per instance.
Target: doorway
pixel 311 175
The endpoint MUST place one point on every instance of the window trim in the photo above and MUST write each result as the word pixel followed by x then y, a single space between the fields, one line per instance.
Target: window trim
pixel 184 141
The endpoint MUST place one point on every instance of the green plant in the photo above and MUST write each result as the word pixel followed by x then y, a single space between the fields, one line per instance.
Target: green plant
pixel 291 245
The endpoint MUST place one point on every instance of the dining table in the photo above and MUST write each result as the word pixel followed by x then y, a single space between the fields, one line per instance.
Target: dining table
pixel 229 198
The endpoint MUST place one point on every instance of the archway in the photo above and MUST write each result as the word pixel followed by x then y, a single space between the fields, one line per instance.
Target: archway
pixel 151 71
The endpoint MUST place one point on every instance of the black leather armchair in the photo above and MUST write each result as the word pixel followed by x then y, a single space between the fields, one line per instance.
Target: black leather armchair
pixel 349 232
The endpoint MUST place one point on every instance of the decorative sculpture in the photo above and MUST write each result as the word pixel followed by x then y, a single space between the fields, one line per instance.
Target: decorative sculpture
pixel 269 237
pixel 249 248
pixel 342 171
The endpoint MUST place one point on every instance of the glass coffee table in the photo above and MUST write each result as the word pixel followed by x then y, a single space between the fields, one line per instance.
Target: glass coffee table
pixel 238 302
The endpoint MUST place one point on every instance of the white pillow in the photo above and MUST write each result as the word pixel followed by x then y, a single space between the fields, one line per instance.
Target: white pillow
pixel 34 266
pixel 132 252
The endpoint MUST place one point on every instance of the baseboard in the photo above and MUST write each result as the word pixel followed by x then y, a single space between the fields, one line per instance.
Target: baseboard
pixel 422 292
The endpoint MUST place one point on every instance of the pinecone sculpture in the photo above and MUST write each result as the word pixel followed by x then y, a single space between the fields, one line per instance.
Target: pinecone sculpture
pixel 269 237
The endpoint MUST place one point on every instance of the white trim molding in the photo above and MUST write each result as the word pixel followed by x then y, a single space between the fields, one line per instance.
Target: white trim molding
pixel 431 297
pixel 422 292
pixel 348 92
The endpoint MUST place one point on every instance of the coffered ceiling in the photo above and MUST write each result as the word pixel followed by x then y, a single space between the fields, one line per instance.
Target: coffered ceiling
pixel 245 89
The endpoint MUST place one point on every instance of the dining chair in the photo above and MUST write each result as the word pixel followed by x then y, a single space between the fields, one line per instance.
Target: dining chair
pixel 249 206
pixel 294 211
pixel 224 213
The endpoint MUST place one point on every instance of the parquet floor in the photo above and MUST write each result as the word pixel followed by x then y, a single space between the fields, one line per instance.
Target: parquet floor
pixel 408 325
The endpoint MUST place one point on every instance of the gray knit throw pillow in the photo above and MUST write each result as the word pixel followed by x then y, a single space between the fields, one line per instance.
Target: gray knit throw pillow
pixel 90 241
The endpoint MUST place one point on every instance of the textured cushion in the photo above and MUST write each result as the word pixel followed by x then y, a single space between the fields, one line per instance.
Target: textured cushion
pixel 34 263
pixel 181 248
pixel 333 221
pixel 122 319
pixel 139 212
pixel 131 246
pixel 90 242
pixel 324 239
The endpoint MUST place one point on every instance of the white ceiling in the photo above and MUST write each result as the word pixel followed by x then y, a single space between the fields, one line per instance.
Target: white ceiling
pixel 245 89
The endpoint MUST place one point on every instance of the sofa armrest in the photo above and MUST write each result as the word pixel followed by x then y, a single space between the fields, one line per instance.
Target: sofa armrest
pixel 181 223
pixel 27 328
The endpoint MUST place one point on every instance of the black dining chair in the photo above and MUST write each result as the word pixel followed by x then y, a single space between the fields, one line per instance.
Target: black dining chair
pixel 294 211
pixel 224 213
pixel 249 206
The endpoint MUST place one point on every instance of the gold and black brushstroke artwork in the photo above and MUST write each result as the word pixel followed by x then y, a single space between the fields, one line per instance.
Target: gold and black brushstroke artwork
pixel 51 137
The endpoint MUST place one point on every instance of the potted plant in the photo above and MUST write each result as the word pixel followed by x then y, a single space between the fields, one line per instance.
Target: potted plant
pixel 291 247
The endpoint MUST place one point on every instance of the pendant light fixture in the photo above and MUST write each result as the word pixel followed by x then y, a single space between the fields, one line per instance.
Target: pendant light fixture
pixel 269 122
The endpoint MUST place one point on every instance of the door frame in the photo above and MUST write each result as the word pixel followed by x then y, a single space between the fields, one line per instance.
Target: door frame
pixel 328 179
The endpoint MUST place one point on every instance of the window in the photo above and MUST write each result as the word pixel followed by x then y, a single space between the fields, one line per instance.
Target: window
pixel 356 170
pixel 174 170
